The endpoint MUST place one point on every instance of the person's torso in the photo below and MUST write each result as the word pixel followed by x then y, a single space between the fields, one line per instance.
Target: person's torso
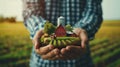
pixel 70 9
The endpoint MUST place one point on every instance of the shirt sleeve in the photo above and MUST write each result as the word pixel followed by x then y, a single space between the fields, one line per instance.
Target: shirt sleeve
pixel 91 18
pixel 32 16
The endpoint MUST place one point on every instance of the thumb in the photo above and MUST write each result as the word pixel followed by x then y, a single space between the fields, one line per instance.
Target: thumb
pixel 83 43
pixel 36 44
pixel 36 39
pixel 84 39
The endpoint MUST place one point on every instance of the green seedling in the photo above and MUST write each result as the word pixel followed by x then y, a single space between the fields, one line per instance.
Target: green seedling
pixel 68 41
pixel 63 43
pixel 59 42
pixel 55 43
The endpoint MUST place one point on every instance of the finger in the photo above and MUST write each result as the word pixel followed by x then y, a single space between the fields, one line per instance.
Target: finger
pixel 38 34
pixel 65 57
pixel 76 31
pixel 84 39
pixel 57 57
pixel 37 44
pixel 51 55
pixel 63 51
pixel 65 54
pixel 75 51
pixel 83 43
pixel 45 49
pixel 71 48
pixel 36 38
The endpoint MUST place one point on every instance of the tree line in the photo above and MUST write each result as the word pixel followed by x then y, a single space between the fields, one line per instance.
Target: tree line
pixel 7 19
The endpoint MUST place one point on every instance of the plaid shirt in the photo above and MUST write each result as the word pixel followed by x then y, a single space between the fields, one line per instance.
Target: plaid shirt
pixel 85 14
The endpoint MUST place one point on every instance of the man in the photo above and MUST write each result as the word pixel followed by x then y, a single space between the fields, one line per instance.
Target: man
pixel 84 15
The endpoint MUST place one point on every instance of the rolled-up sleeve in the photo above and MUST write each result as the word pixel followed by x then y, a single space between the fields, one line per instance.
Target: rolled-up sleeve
pixel 32 16
pixel 91 18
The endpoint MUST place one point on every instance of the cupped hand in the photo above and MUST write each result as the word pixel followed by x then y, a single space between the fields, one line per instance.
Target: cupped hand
pixel 72 51
pixel 46 52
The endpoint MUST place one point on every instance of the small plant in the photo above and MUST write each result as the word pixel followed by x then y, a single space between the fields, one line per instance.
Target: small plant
pixel 69 27
pixel 49 28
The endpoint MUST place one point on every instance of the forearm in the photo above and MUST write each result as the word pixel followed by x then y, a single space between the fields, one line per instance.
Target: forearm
pixel 32 16
pixel 92 18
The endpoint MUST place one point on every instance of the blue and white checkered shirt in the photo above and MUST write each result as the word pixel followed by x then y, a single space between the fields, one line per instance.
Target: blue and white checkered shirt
pixel 85 14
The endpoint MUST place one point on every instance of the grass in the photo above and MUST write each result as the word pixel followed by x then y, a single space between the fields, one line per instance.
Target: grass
pixel 105 46
pixel 15 45
pixel 115 64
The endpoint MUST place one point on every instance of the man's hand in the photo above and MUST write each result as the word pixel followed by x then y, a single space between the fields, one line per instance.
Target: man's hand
pixel 82 35
pixel 46 52
pixel 72 52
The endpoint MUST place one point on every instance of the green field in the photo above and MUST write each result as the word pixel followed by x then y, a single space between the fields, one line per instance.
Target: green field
pixel 15 45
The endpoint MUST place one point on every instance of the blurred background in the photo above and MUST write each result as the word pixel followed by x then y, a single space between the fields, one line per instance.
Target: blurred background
pixel 15 44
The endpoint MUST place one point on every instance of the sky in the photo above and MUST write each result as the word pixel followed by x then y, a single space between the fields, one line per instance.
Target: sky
pixel 111 9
